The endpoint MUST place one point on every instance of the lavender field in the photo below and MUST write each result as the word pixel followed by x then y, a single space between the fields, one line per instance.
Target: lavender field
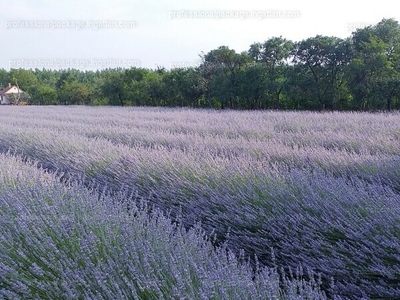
pixel 90 194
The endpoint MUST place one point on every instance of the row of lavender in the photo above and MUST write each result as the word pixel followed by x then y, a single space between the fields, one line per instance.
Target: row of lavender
pixel 319 188
pixel 67 242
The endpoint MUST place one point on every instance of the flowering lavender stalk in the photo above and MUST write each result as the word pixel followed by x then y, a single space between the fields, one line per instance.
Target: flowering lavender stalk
pixel 67 242
pixel 321 189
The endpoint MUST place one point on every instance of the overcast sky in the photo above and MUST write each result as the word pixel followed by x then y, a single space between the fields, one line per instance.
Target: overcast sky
pixel 95 34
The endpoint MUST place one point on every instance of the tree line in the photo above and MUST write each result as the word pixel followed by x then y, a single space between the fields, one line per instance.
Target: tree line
pixel 361 72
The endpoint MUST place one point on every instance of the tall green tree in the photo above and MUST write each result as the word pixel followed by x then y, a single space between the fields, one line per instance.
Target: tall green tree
pixel 208 71
pixel 114 89
pixel 136 89
pixel 252 87
pixel 374 72
pixel 74 93
pixel 323 59
pixel 191 87
pixel 226 65
pixel 274 55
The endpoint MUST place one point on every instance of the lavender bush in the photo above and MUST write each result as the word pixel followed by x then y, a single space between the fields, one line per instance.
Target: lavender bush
pixel 68 242
pixel 322 189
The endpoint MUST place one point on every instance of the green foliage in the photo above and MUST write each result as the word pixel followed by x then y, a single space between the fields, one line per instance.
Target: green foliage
pixel 319 73
pixel 43 94
pixel 374 72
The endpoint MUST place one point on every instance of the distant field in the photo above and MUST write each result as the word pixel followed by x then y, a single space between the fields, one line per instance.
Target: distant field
pixel 320 189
